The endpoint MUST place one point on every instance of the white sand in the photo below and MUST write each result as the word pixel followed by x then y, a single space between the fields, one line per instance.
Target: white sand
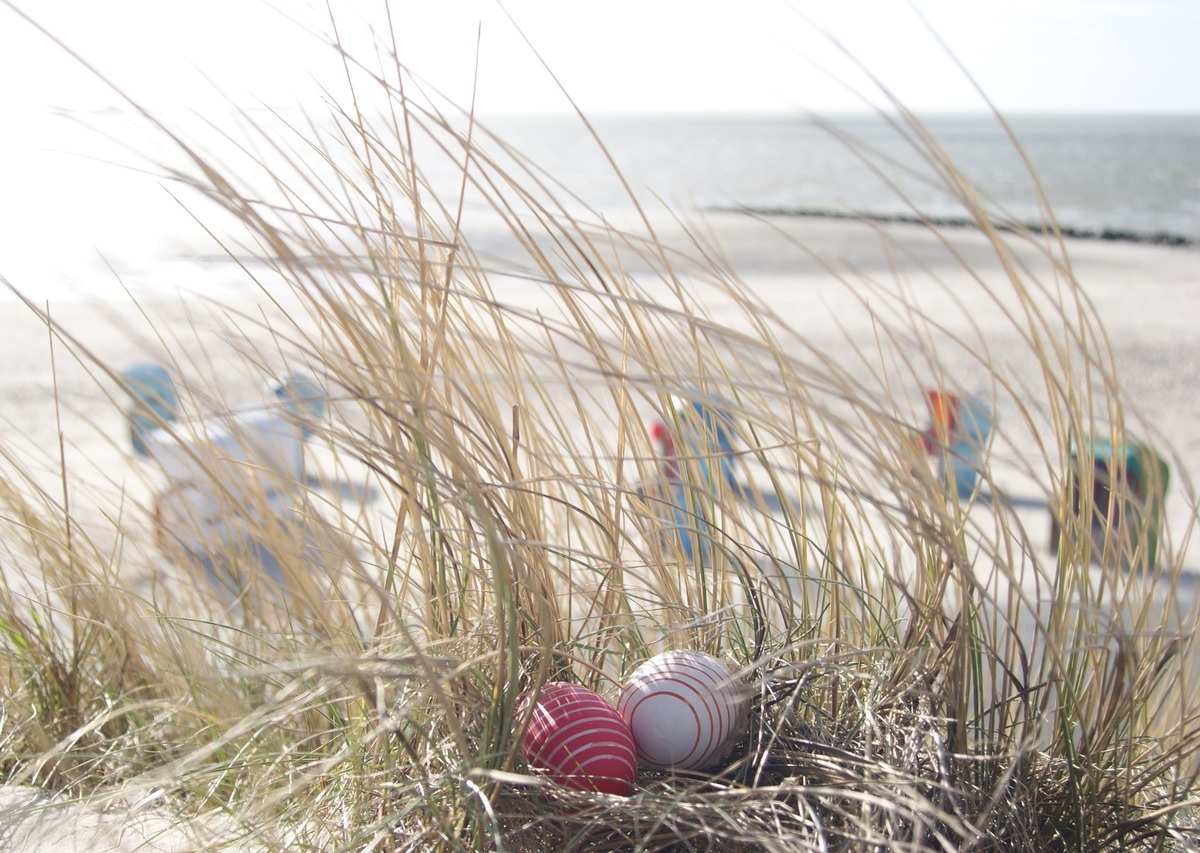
pixel 31 822
pixel 1147 297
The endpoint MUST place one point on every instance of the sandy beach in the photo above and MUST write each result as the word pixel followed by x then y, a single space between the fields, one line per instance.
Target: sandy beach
pixel 818 275
pixel 825 281
pixel 809 271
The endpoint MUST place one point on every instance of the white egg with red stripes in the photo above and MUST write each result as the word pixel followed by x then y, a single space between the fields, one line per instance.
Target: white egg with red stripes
pixel 577 739
pixel 685 710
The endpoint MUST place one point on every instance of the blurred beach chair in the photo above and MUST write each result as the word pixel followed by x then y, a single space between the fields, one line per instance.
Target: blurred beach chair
pixel 673 502
pixel 704 428
pixel 959 430
pixel 1115 496
pixel 696 463
pixel 232 478
pixel 238 536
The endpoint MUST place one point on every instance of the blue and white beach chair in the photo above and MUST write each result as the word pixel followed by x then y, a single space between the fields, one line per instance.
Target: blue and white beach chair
pixel 230 476
pixel 696 462
pixel 960 428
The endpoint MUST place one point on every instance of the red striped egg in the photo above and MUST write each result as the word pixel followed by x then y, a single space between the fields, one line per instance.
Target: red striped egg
pixel 578 740
pixel 685 709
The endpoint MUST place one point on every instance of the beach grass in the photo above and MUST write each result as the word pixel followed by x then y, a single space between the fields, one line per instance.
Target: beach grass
pixel 482 511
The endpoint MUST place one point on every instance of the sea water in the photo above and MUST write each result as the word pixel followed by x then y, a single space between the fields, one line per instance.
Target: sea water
pixel 1126 177
pixel 85 210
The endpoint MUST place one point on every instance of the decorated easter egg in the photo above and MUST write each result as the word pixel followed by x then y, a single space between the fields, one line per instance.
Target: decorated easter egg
pixel 579 740
pixel 684 708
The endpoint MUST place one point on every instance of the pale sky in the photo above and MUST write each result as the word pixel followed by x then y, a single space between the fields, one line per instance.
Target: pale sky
pixel 623 55
pixel 68 216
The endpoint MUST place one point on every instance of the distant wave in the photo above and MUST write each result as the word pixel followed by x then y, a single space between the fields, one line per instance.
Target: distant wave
pixel 1157 238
